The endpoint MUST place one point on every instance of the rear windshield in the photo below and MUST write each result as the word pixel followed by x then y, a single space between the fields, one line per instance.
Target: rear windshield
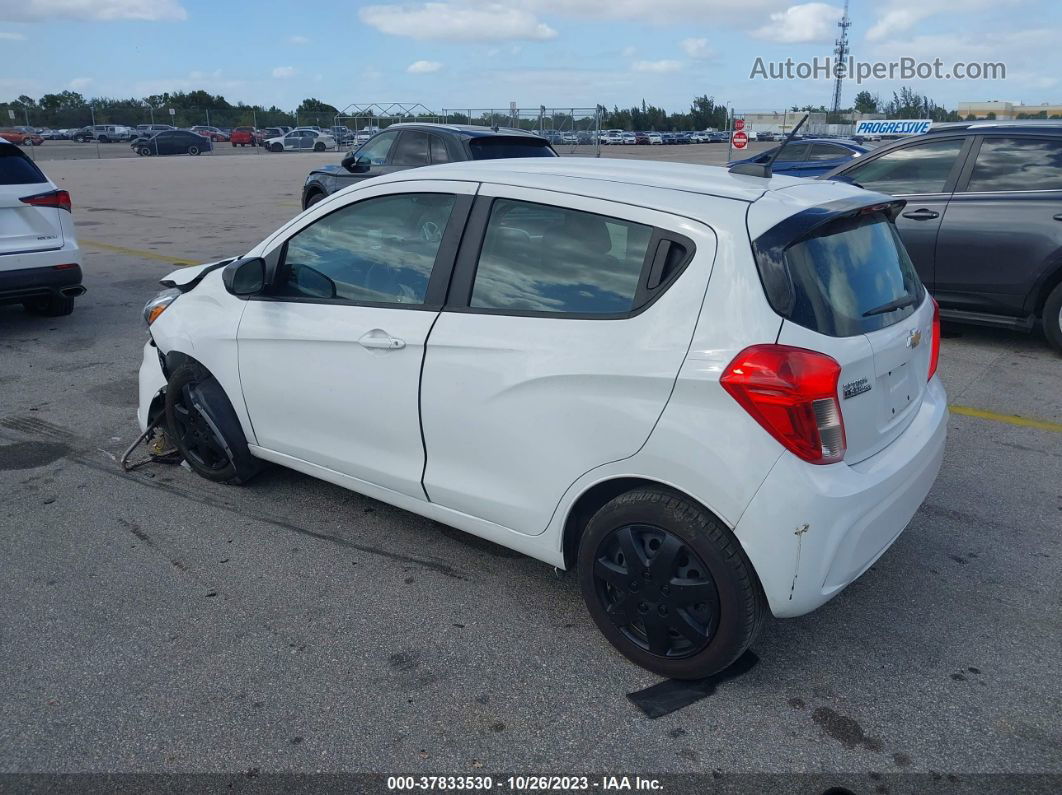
pixel 494 147
pixel 852 277
pixel 17 169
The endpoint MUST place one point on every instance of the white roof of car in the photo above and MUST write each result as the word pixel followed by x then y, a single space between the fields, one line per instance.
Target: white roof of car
pixel 578 175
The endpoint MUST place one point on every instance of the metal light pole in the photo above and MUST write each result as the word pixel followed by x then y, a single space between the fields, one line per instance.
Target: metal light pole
pixel 92 110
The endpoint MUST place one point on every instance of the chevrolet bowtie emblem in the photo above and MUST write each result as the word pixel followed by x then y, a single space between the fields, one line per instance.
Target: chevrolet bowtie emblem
pixel 914 338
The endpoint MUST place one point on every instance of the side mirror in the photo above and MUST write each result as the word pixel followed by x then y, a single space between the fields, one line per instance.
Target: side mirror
pixel 355 164
pixel 244 276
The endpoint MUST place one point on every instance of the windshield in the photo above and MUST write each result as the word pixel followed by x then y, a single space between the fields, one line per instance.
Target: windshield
pixel 852 277
pixel 494 147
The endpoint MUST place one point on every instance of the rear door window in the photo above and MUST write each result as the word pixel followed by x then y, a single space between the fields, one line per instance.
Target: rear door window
pixel 17 169
pixel 439 154
pixel 846 277
pixel 499 146
pixel 539 258
pixel 919 169
pixel 1017 164
pixel 827 152
pixel 792 152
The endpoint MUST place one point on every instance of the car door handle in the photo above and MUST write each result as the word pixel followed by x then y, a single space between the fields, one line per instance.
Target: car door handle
pixel 378 339
pixel 922 215
pixel 1057 216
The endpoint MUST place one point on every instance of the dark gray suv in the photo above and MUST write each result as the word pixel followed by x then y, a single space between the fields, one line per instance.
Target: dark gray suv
pixel 983 221
pixel 403 146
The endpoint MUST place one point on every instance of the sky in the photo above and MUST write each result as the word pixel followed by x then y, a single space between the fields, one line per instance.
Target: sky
pixel 488 53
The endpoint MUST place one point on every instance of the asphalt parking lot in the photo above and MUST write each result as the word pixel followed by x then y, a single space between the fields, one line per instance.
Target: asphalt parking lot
pixel 155 621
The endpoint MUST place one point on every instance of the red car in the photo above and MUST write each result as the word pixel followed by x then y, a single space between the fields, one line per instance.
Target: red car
pixel 244 136
pixel 213 133
pixel 21 137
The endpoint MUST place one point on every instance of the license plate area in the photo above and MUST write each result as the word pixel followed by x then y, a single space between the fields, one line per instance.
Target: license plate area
pixel 898 390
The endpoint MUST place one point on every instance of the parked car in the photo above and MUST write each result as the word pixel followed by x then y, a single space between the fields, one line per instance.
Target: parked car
pixel 700 453
pixel 172 142
pixel 244 136
pixel 213 133
pixel 629 138
pixel 812 157
pixel 641 138
pixel 404 146
pixel 982 221
pixel 40 262
pixel 656 139
pixel 263 135
pixel 21 137
pixel 104 133
pixel 343 134
pixel 301 140
pixel 147 130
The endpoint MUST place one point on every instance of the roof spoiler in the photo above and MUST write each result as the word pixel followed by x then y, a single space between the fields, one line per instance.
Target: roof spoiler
pixel 764 169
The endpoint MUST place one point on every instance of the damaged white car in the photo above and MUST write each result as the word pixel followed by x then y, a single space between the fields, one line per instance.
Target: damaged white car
pixel 712 394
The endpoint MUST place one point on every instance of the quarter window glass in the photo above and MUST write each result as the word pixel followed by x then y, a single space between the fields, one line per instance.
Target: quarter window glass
pixel 1017 164
pixel 914 169
pixel 412 150
pixel 376 149
pixel 438 150
pixel 538 258
pixel 376 251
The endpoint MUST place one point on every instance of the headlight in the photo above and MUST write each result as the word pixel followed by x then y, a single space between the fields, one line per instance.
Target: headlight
pixel 157 305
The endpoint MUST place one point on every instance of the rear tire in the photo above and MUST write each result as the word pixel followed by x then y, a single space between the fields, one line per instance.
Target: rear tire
pixel 1052 318
pixel 669 585
pixel 234 146
pixel 193 150
pixel 50 306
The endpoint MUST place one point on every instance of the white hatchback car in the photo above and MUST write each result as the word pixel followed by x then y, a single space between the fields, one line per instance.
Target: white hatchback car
pixel 712 394
pixel 40 262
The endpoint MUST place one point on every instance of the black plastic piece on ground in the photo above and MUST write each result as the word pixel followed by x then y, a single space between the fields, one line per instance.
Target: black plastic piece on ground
pixel 674 694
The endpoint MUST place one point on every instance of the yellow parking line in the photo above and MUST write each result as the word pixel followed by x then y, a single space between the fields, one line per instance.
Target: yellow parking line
pixel 1010 419
pixel 138 252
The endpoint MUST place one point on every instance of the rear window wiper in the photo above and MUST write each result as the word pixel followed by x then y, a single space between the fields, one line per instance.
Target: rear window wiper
pixel 897 303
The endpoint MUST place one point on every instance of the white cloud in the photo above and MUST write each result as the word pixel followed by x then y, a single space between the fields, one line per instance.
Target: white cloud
pixel 299 40
pixel 801 24
pixel 697 48
pixel 283 71
pixel 898 16
pixel 659 12
pixel 423 67
pixel 630 52
pixel 80 83
pixel 656 67
pixel 5 36
pixel 93 10
pixel 457 21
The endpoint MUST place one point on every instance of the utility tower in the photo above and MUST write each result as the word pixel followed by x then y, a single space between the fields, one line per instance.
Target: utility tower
pixel 841 51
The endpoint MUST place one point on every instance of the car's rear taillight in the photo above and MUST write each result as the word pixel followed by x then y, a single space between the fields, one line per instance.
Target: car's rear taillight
pixel 934 351
pixel 792 393
pixel 53 198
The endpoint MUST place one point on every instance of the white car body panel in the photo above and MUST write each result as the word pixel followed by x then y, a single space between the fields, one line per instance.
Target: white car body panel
pixel 571 394
pixel 521 415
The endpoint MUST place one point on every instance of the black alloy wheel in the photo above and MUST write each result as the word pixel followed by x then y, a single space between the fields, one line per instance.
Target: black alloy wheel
pixel 656 590
pixel 195 436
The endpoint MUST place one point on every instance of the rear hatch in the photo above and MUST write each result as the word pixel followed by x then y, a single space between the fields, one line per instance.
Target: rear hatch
pixel 853 294
pixel 23 227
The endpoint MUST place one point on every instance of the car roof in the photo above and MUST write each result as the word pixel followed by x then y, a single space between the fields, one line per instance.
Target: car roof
pixel 467 130
pixel 989 126
pixel 615 179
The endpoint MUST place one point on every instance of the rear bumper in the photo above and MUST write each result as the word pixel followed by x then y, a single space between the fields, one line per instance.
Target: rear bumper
pixel 21 283
pixel 811 530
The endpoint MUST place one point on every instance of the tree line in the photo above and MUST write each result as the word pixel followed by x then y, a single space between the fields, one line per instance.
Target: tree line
pixel 71 109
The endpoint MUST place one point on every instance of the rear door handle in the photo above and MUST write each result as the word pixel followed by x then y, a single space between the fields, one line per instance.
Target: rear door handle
pixel 1057 216
pixel 922 215
pixel 378 339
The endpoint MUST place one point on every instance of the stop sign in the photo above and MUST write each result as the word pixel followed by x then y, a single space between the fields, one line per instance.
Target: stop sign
pixel 739 124
pixel 740 140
